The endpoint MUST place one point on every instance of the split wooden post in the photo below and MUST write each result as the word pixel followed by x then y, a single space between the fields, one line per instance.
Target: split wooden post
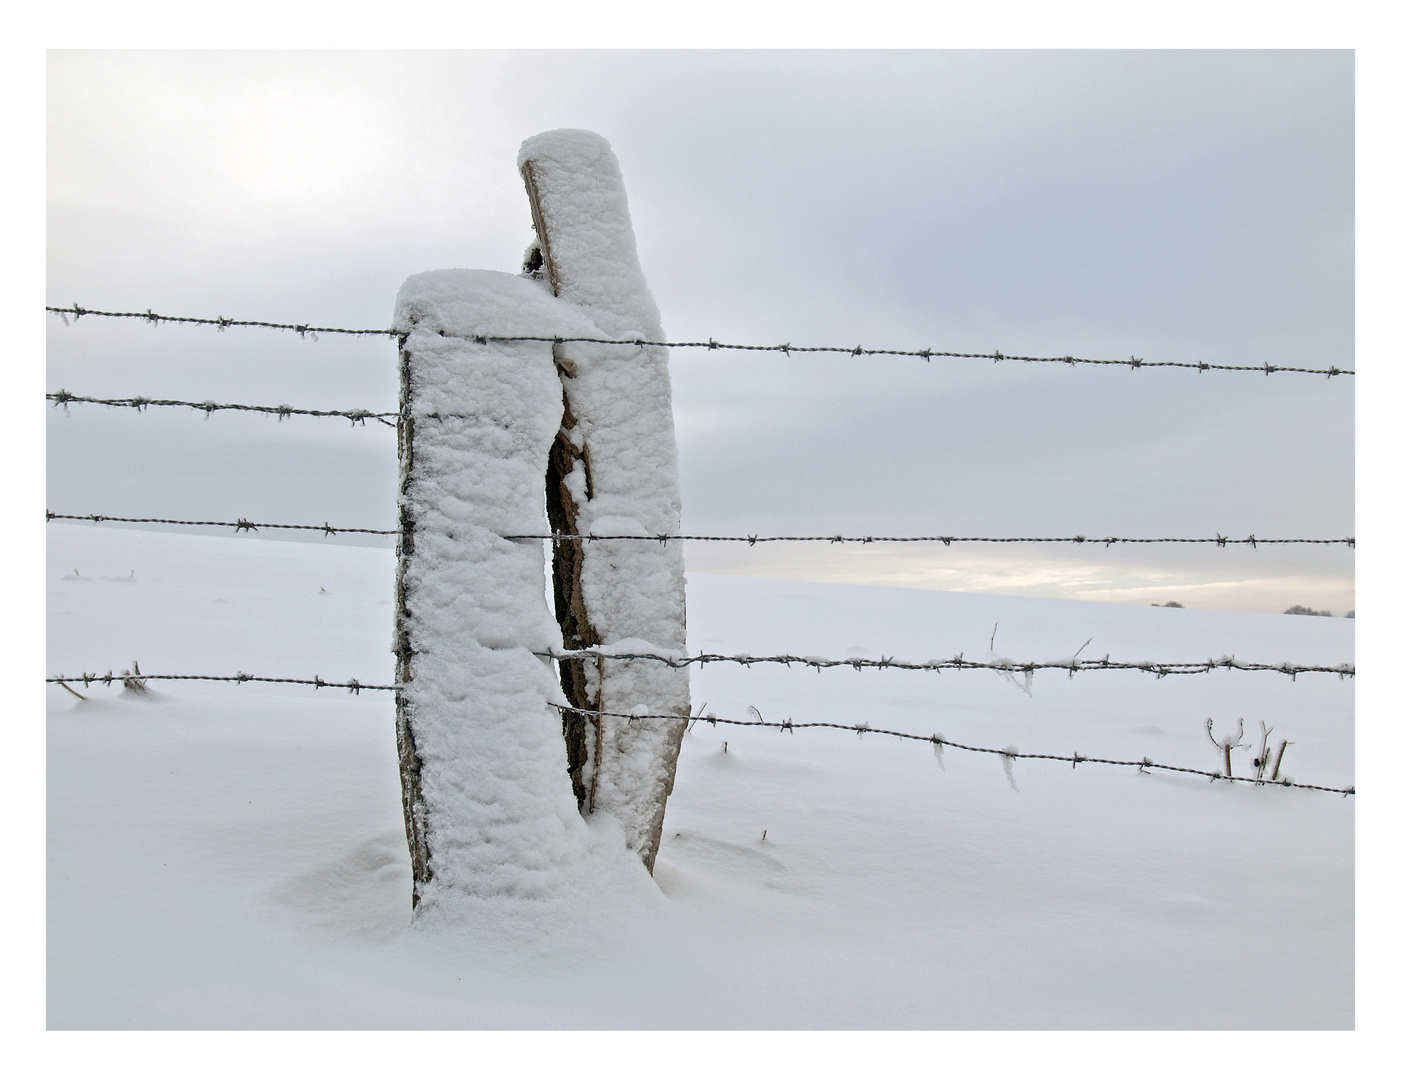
pixel 613 469
pixel 500 433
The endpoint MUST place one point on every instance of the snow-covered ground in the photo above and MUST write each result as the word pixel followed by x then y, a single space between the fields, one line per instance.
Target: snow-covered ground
pixel 234 856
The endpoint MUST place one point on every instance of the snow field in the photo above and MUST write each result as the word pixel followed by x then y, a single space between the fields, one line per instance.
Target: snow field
pixel 234 856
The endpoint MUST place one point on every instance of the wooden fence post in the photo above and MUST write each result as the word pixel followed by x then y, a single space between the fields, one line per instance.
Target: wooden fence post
pixel 491 446
pixel 487 802
pixel 612 469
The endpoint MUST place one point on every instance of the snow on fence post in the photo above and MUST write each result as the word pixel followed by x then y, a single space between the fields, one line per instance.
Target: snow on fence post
pixel 492 791
pixel 612 469
pixel 487 803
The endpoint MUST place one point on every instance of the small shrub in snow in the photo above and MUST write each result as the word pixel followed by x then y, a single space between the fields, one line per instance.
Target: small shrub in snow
pixel 1268 755
pixel 1227 743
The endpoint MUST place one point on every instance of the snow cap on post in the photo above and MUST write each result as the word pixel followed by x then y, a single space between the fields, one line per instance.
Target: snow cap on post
pixel 581 215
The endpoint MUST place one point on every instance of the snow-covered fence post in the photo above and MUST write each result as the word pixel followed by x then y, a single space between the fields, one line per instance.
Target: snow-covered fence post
pixel 487 802
pixel 612 470
pixel 488 448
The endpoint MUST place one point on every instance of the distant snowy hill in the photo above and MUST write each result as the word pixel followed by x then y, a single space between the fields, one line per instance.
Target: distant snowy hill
pixel 233 855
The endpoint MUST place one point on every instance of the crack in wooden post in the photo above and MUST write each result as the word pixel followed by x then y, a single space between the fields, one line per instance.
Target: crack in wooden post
pixel 573 617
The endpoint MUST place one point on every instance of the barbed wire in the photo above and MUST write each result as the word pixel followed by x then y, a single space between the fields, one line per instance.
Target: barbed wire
pixel 241 525
pixel 136 676
pixel 135 679
pixel 938 741
pixel 958 663
pixel 711 344
pixel 221 323
pixel 924 354
pixel 1108 541
pixel 64 398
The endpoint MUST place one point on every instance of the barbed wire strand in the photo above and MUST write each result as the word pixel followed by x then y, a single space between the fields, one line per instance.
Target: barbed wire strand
pixel 958 663
pixel 924 354
pixel 1161 670
pixel 1108 541
pixel 135 679
pixel 64 398
pixel 138 677
pixel 1143 764
pixel 221 323
pixel 711 344
pixel 241 525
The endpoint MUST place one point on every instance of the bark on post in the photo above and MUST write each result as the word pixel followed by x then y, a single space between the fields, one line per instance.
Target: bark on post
pixel 410 768
pixel 612 470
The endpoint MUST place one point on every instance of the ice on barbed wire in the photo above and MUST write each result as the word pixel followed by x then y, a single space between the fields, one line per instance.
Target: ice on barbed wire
pixel 620 403
pixel 1006 667
pixel 1009 755
pixel 492 799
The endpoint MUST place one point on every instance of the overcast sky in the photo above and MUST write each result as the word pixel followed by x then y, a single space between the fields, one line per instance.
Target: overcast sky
pixel 1166 205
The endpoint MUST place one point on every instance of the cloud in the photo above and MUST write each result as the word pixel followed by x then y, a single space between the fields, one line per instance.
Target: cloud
pixel 1169 205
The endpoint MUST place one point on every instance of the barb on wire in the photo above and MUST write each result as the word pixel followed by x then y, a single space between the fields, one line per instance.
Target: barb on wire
pixel 241 525
pixel 958 663
pixel 88 678
pixel 1108 541
pixel 711 345
pixel 939 742
pixel 64 398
